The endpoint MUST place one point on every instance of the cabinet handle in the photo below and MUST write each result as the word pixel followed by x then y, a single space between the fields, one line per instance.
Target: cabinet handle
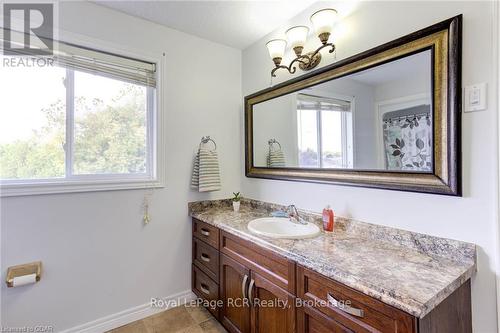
pixel 205 232
pixel 243 286
pixel 345 308
pixel 205 257
pixel 250 288
pixel 204 288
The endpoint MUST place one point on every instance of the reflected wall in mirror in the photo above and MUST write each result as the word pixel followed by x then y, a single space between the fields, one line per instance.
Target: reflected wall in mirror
pixel 386 118
pixel 376 119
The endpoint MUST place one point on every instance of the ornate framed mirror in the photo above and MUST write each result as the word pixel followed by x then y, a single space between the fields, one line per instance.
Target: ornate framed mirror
pixel 386 118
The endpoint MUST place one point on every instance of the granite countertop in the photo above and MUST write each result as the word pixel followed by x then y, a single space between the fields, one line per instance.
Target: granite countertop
pixel 410 271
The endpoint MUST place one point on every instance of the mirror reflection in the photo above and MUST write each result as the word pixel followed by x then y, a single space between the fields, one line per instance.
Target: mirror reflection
pixel 375 119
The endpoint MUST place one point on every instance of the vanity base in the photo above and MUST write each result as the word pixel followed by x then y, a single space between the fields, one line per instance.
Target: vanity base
pixel 240 273
pixel 454 314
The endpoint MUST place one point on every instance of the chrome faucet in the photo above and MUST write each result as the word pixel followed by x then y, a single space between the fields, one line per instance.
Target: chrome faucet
pixel 294 216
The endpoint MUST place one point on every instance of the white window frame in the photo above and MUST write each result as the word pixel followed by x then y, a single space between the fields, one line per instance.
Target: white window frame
pixel 155 175
pixel 347 121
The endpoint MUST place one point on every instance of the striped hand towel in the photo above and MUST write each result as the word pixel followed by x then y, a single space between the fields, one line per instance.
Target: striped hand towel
pixel 195 178
pixel 206 175
pixel 276 159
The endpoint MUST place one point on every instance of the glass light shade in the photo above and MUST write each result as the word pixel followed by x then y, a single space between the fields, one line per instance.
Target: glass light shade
pixel 276 48
pixel 297 36
pixel 323 20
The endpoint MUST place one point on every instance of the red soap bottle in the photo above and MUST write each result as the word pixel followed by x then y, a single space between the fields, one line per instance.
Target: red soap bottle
pixel 328 219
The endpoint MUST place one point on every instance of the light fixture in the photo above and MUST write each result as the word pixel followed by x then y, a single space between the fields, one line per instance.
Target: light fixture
pixel 322 21
pixel 276 48
pixel 297 38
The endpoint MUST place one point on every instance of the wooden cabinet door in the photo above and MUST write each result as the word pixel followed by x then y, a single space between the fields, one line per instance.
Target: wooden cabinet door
pixel 272 308
pixel 234 279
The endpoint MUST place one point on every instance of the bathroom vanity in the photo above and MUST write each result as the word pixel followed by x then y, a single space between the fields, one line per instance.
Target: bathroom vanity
pixel 361 278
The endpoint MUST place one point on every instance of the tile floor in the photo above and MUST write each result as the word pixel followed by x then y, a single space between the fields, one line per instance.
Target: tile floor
pixel 181 319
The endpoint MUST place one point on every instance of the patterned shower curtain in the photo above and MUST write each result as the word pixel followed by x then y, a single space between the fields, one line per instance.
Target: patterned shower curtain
pixel 408 142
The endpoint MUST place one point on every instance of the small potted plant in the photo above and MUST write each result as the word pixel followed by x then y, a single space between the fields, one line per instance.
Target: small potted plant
pixel 236 201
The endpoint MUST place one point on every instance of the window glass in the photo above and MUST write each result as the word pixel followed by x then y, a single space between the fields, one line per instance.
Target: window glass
pixel 59 123
pixel 32 122
pixel 331 139
pixel 307 125
pixel 110 131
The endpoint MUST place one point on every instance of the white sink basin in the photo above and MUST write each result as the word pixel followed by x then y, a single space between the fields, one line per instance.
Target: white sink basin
pixel 280 227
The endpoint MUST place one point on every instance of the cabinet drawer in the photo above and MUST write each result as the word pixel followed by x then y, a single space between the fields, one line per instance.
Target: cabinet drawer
pixel 351 308
pixel 310 320
pixel 206 288
pixel 206 233
pixel 206 258
pixel 273 267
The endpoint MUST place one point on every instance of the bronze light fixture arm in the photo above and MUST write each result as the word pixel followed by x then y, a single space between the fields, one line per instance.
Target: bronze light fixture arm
pixel 307 61
pixel 288 68
pixel 291 69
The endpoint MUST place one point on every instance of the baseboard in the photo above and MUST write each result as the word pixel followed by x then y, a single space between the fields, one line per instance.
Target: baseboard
pixel 127 316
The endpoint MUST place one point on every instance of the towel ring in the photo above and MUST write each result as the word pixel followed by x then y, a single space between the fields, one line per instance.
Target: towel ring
pixel 205 140
pixel 273 141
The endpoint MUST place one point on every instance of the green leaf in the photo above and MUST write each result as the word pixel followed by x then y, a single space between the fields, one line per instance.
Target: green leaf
pixel 396 153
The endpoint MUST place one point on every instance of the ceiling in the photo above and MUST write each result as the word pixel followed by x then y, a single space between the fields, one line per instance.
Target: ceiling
pixel 233 23
pixel 407 67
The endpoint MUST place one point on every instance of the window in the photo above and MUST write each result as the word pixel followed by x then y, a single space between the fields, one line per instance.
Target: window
pixel 324 132
pixel 89 118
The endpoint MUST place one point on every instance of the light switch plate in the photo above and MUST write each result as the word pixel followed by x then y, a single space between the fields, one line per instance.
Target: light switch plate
pixel 475 97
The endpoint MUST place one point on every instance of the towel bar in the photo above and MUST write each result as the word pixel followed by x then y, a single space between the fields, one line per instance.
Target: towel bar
pixel 206 139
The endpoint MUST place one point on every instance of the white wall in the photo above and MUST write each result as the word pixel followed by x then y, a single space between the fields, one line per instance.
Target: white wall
pixel 276 119
pixel 98 257
pixel 416 85
pixel 471 218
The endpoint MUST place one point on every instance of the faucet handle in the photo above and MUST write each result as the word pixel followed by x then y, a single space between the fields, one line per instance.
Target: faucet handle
pixel 294 214
pixel 293 210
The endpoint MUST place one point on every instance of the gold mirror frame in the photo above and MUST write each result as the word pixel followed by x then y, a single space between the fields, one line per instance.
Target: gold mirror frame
pixel 444 39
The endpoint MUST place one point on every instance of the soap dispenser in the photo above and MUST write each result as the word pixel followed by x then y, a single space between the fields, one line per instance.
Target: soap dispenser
pixel 328 219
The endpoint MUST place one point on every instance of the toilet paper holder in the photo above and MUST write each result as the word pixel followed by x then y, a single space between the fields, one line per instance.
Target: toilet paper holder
pixel 22 270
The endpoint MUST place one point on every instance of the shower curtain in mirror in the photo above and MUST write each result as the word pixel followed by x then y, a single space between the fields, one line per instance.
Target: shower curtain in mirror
pixel 407 138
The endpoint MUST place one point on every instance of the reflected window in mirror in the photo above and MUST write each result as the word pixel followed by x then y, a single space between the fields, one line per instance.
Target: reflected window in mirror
pixel 324 132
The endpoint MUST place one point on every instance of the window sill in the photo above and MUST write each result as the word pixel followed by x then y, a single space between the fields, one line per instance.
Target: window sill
pixel 55 187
